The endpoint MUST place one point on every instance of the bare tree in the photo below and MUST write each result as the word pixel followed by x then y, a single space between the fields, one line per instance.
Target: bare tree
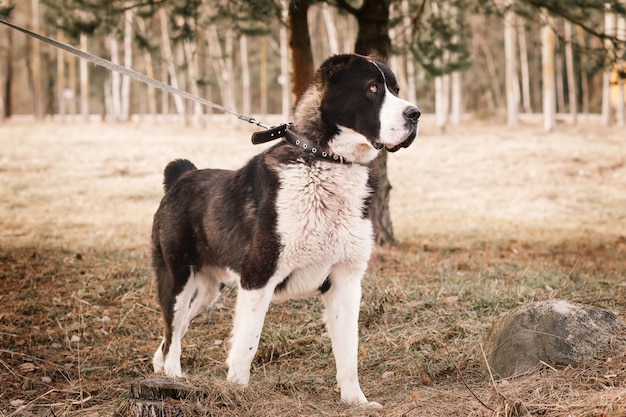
pixel 147 58
pixel 524 70
pixel 548 76
pixel 510 60
pixel 84 80
pixel 246 100
pixel 571 77
pixel 620 71
pixel 168 57
pixel 128 63
pixel 609 28
pixel 35 63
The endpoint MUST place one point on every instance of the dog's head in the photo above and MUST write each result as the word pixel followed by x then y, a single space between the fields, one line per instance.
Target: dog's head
pixel 352 108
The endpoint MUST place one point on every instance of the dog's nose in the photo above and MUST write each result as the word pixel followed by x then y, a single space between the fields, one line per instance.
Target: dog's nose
pixel 412 114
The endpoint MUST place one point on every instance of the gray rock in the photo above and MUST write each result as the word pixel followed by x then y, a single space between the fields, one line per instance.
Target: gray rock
pixel 557 332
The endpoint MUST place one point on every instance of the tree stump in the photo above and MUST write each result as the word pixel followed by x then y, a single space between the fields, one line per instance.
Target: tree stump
pixel 156 397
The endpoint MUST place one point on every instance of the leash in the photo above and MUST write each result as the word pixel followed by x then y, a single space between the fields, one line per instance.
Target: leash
pixel 94 59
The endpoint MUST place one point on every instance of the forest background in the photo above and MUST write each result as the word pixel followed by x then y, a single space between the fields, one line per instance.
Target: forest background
pixel 488 218
pixel 454 57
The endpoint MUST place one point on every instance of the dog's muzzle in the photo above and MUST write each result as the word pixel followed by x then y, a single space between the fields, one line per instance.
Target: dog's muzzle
pixel 411 115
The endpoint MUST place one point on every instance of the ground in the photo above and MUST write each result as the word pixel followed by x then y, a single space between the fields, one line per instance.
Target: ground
pixel 487 219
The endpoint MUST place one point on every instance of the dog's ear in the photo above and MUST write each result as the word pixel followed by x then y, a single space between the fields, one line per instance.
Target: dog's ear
pixel 335 65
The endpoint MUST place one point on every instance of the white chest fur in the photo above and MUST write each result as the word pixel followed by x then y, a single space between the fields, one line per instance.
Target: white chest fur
pixel 320 222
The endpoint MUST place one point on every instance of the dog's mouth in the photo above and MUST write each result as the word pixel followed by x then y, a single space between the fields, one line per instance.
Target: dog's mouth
pixel 406 142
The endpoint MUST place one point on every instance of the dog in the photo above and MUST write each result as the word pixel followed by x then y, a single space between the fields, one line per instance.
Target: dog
pixel 292 222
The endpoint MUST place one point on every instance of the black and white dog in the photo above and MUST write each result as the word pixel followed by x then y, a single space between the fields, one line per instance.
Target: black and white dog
pixel 292 222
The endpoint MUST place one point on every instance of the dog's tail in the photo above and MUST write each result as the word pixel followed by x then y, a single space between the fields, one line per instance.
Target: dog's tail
pixel 174 170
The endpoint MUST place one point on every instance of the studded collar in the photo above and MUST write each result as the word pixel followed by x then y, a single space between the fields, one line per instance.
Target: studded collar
pixel 292 136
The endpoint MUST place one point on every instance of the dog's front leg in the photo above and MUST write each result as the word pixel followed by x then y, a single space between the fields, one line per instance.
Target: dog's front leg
pixel 342 302
pixel 250 311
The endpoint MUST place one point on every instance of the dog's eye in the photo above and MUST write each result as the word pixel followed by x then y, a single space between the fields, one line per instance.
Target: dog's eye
pixel 374 88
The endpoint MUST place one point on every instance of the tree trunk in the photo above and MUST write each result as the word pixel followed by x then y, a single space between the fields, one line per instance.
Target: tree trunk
pixel 72 86
pixel 302 66
pixel 220 66
pixel 495 92
pixel 455 79
pixel 246 99
pixel 584 78
pixel 457 98
pixel 61 78
pixel 373 34
pixel 560 83
pixel 525 73
pixel 35 64
pixel 116 100
pixel 510 60
pixel 84 81
pixel 1 97
pixel 571 77
pixel 8 80
pixel 331 29
pixel 191 61
pixel 283 37
pixel 147 58
pixel 442 102
pixel 411 90
pixel 619 105
pixel 264 84
pixel 609 29
pixel 168 57
pixel 128 63
pixel 547 65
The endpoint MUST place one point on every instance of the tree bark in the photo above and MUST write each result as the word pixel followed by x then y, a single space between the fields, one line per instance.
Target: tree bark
pixel 547 65
pixel 6 73
pixel 283 36
pixel 128 63
pixel 35 64
pixel 620 110
pixel 168 57
pixel 571 77
pixel 264 83
pixel 302 66
pixel 411 93
pixel 191 61
pixel 147 58
pixel 331 29
pixel 116 100
pixel 61 78
pixel 511 79
pixel 584 77
pixel 609 29
pixel 246 100
pixel 523 59
pixel 84 80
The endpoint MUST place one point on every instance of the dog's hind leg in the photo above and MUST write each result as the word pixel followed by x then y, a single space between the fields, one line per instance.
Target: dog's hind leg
pixel 250 310
pixel 200 291
pixel 342 301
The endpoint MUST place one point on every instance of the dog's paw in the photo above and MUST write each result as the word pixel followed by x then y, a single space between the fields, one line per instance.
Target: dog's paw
pixel 240 378
pixel 372 404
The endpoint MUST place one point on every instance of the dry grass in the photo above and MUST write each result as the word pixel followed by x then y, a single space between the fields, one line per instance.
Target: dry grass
pixel 488 219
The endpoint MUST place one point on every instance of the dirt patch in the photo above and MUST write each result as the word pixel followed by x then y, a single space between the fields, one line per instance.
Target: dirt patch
pixel 488 219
